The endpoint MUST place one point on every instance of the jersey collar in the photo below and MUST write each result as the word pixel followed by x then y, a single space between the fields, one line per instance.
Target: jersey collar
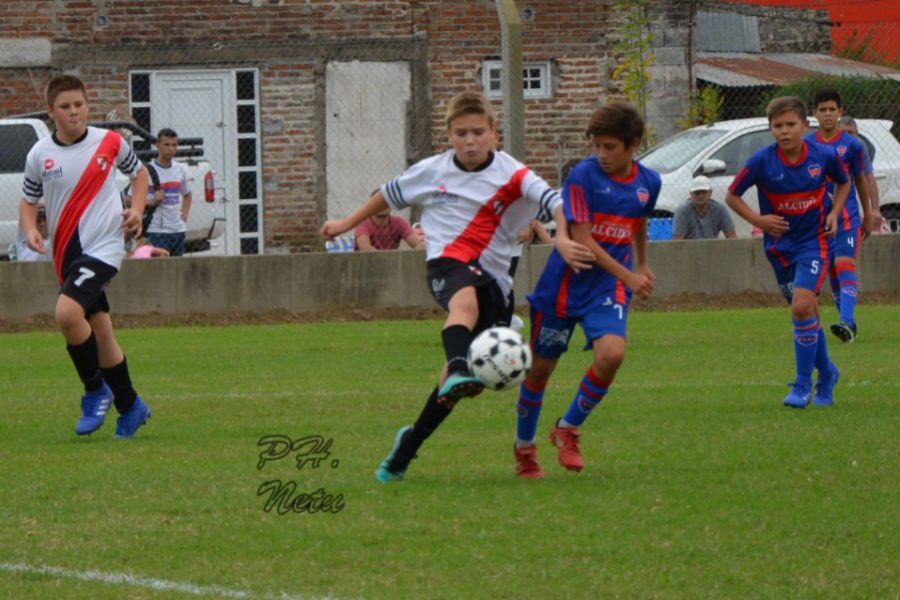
pixel 480 167
pixel 628 178
pixel 821 139
pixel 63 144
pixel 788 162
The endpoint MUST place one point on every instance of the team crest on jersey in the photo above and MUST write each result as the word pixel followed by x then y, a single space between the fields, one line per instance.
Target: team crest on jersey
pixel 841 150
pixel 643 195
pixel 476 270
pixel 814 171
pixel 102 163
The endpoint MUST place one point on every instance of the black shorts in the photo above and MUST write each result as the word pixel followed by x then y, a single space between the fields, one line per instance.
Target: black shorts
pixel 447 276
pixel 85 282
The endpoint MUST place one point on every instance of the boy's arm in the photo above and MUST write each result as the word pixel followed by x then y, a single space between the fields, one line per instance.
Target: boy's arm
pixel 771 224
pixel 186 206
pixel 335 227
pixel 841 191
pixel 364 243
pixel 640 251
pixel 132 216
pixel 874 201
pixel 28 224
pixel 639 283
pixel 578 256
pixel 541 232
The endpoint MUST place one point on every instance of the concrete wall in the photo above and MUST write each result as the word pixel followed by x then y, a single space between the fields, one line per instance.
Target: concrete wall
pixel 314 281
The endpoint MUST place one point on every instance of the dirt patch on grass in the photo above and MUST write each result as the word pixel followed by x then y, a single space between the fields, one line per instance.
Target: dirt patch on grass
pixel 679 302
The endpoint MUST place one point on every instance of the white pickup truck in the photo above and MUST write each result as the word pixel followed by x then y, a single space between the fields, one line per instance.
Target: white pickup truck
pixel 206 219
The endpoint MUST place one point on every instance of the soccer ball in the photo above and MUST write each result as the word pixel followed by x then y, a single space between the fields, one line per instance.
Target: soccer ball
pixel 499 358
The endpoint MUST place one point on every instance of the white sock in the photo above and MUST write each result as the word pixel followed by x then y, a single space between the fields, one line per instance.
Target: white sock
pixel 564 423
pixel 523 443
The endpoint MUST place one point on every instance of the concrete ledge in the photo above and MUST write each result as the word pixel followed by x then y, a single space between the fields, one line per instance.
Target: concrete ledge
pixel 310 282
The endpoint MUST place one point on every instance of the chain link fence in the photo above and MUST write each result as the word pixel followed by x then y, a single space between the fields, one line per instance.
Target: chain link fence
pixel 276 137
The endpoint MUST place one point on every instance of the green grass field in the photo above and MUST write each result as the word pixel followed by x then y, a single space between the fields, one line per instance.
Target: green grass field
pixel 698 483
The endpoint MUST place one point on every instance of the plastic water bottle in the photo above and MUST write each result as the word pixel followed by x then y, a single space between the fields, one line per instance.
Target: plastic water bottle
pixel 346 244
pixel 332 246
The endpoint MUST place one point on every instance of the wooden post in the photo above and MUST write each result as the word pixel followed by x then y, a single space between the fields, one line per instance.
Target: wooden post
pixel 513 95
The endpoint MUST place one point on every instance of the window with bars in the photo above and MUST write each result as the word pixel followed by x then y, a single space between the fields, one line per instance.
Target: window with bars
pixel 535 79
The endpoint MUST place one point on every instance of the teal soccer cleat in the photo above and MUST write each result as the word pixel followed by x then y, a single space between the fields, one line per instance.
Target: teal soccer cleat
pixel 384 473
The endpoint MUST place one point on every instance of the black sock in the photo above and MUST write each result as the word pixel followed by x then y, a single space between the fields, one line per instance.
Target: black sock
pixel 432 415
pixel 86 358
pixel 457 339
pixel 120 382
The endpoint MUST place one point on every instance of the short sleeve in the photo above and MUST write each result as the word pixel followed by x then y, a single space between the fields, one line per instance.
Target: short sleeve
pixel 408 188
pixel 185 182
pixel 126 160
pixel 403 227
pixel 364 228
pixel 541 195
pixel 867 162
pixel 654 186
pixel 679 225
pixel 574 199
pixel 32 186
pixel 726 223
pixel 833 167
pixel 746 177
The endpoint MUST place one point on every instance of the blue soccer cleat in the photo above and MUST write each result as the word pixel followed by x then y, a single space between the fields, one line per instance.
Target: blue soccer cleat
pixel 130 421
pixel 383 473
pixel 799 396
pixel 94 406
pixel 459 385
pixel 825 389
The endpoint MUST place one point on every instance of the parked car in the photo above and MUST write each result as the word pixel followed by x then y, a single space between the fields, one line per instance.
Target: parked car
pixel 719 151
pixel 17 135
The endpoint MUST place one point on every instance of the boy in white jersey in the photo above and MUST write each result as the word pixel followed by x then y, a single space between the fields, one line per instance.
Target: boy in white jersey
pixel 73 170
pixel 474 201
pixel 167 227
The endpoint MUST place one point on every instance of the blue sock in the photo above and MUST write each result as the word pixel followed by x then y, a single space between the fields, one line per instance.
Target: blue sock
pixel 806 342
pixel 846 273
pixel 590 393
pixel 823 362
pixel 531 399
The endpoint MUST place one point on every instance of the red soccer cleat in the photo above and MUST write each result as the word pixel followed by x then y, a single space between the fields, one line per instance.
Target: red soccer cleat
pixel 566 441
pixel 526 463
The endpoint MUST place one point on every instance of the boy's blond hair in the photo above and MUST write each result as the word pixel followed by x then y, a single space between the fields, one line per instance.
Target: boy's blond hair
pixel 60 84
pixel 786 104
pixel 469 103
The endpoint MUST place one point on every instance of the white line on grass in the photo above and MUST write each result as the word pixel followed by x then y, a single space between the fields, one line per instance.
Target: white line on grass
pixel 144 582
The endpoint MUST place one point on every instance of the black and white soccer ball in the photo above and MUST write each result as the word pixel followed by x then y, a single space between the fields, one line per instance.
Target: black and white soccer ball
pixel 499 358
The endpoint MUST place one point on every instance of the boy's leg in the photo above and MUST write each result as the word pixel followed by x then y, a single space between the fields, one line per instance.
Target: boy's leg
pixel 549 340
pixel 133 412
pixel 809 274
pixel 457 336
pixel 844 249
pixel 81 293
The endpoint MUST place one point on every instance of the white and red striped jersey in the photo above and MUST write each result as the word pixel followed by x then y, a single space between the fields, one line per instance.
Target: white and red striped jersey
pixel 469 215
pixel 174 182
pixel 78 185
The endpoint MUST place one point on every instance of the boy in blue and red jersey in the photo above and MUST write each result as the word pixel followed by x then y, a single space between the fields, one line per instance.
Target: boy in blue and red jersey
pixel 606 200
pixel 790 177
pixel 843 248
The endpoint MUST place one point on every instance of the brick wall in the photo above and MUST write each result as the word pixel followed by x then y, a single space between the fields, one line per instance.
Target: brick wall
pixel 290 41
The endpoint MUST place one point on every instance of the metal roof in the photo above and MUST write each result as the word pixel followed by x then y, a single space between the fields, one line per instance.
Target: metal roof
pixel 741 69
pixel 727 32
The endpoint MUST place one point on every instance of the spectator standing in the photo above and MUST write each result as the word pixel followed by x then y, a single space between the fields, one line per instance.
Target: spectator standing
pixel 167 227
pixel 848 124
pixel 702 217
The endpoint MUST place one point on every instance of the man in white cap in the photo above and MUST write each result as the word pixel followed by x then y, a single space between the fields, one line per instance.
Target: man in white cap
pixel 702 217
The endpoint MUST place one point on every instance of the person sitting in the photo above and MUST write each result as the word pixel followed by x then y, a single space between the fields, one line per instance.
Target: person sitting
pixel 143 249
pixel 385 231
pixel 702 217
pixel 22 253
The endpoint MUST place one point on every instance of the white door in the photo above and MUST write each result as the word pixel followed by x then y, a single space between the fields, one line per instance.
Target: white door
pixel 200 104
pixel 365 105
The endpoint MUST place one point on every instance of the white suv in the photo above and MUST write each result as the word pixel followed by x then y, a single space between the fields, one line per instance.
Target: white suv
pixel 719 150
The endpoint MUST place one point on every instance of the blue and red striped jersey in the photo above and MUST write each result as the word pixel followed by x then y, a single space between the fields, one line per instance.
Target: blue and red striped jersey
pixel 794 190
pixel 852 156
pixel 615 208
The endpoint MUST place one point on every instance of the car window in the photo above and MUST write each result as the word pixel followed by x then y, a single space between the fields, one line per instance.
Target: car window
pixel 16 140
pixel 736 152
pixel 677 150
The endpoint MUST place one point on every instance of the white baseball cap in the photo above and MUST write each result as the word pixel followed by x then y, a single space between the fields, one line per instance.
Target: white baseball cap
pixel 701 183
